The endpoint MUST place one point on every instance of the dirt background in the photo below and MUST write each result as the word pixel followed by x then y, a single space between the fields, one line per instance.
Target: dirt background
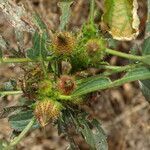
pixel 123 111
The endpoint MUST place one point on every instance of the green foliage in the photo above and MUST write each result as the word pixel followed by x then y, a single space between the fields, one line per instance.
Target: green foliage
pixel 100 83
pixel 66 12
pixel 7 111
pixel 145 85
pixel 38 21
pixel 53 97
pixel 19 121
pixel 39 49
pixel 90 130
pixel 95 137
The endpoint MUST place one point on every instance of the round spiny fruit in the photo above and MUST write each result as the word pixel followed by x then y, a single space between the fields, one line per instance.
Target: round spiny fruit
pixel 47 110
pixel 95 49
pixel 45 88
pixel 63 43
pixel 94 46
pixel 66 84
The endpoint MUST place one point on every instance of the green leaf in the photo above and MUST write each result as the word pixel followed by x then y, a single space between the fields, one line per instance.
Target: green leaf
pixel 5 112
pixel 40 22
pixel 19 121
pixel 146 47
pixel 145 85
pixel 120 16
pixel 39 49
pixel 92 85
pixel 140 73
pixel 91 131
pixel 66 12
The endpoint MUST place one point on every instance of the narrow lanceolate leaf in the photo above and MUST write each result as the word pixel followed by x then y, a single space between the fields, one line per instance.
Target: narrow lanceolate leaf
pixel 120 16
pixel 19 121
pixel 66 12
pixel 140 73
pixel 92 85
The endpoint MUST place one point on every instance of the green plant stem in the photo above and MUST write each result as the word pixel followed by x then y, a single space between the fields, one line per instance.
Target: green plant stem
pixel 16 140
pixel 114 69
pixel 22 60
pixel 124 55
pixel 64 97
pixel 3 93
pixel 92 7
pixel 44 69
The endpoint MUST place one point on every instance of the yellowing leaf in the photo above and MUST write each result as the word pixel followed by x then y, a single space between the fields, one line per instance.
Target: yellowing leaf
pixel 120 16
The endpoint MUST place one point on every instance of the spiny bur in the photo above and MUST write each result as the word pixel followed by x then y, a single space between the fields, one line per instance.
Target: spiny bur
pixel 45 88
pixel 66 84
pixel 47 110
pixel 63 43
pixel 95 49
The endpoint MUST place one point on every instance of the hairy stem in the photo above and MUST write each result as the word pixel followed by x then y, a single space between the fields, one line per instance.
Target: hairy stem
pixel 3 93
pixel 92 7
pixel 124 55
pixel 22 60
pixel 16 140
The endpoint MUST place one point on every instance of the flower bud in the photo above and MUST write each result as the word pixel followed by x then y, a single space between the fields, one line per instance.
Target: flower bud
pixel 66 84
pixel 63 43
pixel 47 110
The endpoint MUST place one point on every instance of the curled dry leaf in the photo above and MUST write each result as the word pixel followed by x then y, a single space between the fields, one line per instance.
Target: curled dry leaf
pixel 122 19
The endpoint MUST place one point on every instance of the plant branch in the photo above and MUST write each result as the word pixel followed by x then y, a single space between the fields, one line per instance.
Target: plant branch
pixel 92 6
pixel 64 97
pixel 22 60
pixel 3 93
pixel 124 55
pixel 16 140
